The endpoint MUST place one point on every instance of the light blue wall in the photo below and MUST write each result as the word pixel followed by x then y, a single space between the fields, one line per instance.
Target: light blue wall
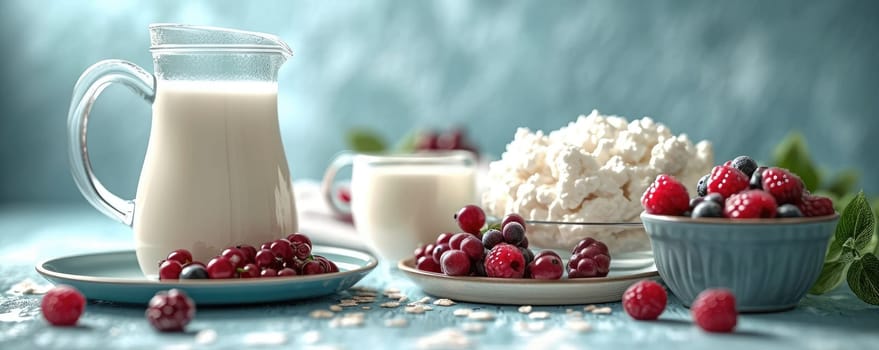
pixel 740 73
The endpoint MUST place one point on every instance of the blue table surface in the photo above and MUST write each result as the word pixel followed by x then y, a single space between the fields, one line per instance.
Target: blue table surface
pixel 29 234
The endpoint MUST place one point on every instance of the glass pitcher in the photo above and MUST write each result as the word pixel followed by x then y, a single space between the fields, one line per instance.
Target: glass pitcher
pixel 215 174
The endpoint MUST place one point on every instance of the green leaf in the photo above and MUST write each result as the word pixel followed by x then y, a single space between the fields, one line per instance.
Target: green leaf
pixel 843 183
pixel 409 142
pixel 793 155
pixel 863 278
pixel 832 275
pixel 365 141
pixel 857 223
pixel 876 234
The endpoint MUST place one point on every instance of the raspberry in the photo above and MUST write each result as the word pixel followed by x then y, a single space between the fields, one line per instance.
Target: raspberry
pixel 727 181
pixel 62 305
pixel 749 205
pixel 715 310
pixel 784 186
pixel 816 205
pixel 645 300
pixel 666 196
pixel 505 261
pixel 170 311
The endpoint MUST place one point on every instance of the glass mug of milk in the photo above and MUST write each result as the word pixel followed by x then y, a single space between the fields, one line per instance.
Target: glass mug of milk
pixel 215 174
pixel 401 201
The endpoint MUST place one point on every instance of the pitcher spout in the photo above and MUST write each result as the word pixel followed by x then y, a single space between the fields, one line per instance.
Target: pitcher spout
pixel 172 36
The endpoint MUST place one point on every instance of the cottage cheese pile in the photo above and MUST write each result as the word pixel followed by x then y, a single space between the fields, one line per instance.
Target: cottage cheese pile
pixel 594 169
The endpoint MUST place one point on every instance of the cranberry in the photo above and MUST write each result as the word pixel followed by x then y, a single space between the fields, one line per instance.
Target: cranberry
pixel 299 238
pixel 220 267
pixel 282 249
pixel 170 270
pixel 455 263
pixel 265 258
pixel 438 251
pixel 285 272
pixel 312 268
pixel 62 305
pixel 444 237
pixel 237 257
pixel 268 272
pixel 547 267
pixel 473 247
pixel 513 233
pixel 470 219
pixel 182 256
pixel 546 252
pixel 170 311
pixel 455 241
pixel 249 252
pixel 249 271
pixel 426 263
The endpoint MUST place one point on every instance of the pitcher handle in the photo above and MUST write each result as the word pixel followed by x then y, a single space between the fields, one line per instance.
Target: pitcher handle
pixel 327 185
pixel 90 84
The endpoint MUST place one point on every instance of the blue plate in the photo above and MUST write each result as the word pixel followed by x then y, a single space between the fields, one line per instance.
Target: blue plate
pixel 115 277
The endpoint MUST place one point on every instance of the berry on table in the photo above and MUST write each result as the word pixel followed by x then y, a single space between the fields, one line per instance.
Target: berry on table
pixel 745 164
pixel 727 181
pixel 666 196
pixel 714 310
pixel 505 261
pixel 784 186
pixel 455 262
pixel 645 300
pixel 182 256
pixel 812 205
pixel 170 311
pixel 491 238
pixel 546 267
pixel 750 204
pixel 62 305
pixel 193 272
pixel 708 209
pixel 470 219
pixel 170 270
pixel 788 211
pixel 513 233
pixel 220 267
pixel 756 182
pixel 426 263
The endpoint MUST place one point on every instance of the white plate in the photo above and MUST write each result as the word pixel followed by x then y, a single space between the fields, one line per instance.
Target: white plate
pixel 528 291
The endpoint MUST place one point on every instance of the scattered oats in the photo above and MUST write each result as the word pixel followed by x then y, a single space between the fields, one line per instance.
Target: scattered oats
pixel 348 304
pixel 356 315
pixel 462 312
pixel 538 315
pixel 390 304
pixel 402 299
pixel 395 296
pixel 311 337
pixel 354 319
pixel 525 309
pixel 364 289
pixel 347 301
pixel 365 307
pixel 427 307
pixel 363 300
pixel 392 291
pixel 522 326
pixel 396 322
pixel 444 339
pixel 481 316
pixel 424 300
pixel 417 309
pixel 444 302
pixel 265 338
pixel 602 311
pixel 321 314
pixel 589 308
pixel 473 327
pixel 574 314
pixel 579 326
pixel 335 308
pixel 206 337
pixel 366 294
pixel 28 286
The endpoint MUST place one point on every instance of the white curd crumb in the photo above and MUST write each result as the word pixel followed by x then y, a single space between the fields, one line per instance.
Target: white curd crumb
pixel 28 286
pixel 417 309
pixel 335 308
pixel 589 308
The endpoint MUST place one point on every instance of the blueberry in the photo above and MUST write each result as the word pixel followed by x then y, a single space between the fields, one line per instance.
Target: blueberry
pixel 514 233
pixel 695 201
pixel 715 197
pixel 788 211
pixel 194 272
pixel 708 209
pixel 527 254
pixel 745 164
pixel 491 238
pixel 757 178
pixel 702 186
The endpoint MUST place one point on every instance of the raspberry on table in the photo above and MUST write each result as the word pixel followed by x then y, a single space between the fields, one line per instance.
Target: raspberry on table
pixel 816 205
pixel 727 181
pixel 170 311
pixel 784 186
pixel 62 305
pixel 645 300
pixel 714 310
pixel 666 196
pixel 750 204
pixel 505 261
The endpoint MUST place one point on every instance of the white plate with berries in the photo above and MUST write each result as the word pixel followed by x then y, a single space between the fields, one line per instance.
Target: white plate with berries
pixel 116 277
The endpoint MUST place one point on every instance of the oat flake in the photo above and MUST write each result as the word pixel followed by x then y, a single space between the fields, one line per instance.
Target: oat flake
pixel 390 304
pixel 481 316
pixel 335 308
pixel 602 311
pixel 579 326
pixel 539 315
pixel 444 302
pixel 473 327
pixel 396 323
pixel 462 312
pixel 525 309
pixel 319 314
pixel 417 309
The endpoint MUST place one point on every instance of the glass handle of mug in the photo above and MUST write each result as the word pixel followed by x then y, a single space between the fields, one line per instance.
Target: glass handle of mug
pixel 90 84
pixel 328 184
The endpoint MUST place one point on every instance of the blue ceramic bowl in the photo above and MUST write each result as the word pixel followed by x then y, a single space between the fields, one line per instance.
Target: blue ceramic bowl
pixel 769 264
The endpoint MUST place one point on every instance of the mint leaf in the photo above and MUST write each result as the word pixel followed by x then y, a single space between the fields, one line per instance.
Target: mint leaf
pixel 365 141
pixel 832 275
pixel 857 223
pixel 408 143
pixel 863 278
pixel 792 154
pixel 843 183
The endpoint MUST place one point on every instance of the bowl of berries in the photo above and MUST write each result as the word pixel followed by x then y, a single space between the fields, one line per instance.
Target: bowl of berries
pixel 754 230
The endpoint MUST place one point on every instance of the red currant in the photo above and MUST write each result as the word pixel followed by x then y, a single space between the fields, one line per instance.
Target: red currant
pixel 470 219
pixel 170 270
pixel 285 272
pixel 455 263
pixel 182 256
pixel 249 252
pixel 426 263
pixel 220 267
pixel 249 271
pixel 235 256
pixel 546 267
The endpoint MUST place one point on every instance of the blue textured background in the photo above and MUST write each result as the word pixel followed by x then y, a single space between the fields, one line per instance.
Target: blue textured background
pixel 740 73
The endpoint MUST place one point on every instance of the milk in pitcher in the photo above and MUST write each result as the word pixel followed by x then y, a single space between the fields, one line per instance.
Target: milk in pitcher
pixel 215 174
